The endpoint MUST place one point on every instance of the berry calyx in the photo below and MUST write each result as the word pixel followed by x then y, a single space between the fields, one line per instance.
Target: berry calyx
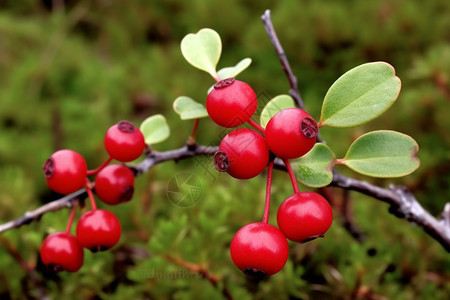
pixel 231 103
pixel 259 249
pixel 304 216
pixel 291 133
pixel 98 230
pixel 114 184
pixel 124 141
pixel 243 154
pixel 61 251
pixel 65 171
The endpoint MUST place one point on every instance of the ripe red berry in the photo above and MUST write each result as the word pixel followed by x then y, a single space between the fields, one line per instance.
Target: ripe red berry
pixel 291 133
pixel 98 230
pixel 259 249
pixel 61 251
pixel 243 153
pixel 65 171
pixel 304 216
pixel 231 103
pixel 114 184
pixel 124 141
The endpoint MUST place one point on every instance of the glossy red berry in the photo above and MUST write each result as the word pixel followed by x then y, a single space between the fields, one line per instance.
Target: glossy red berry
pixel 259 249
pixel 61 251
pixel 291 133
pixel 98 230
pixel 243 153
pixel 65 171
pixel 124 141
pixel 114 184
pixel 231 103
pixel 304 216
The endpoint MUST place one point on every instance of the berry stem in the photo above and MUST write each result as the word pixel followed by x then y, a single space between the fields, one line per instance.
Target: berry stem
pixel 71 217
pixel 292 176
pixel 90 194
pixel 191 139
pixel 256 126
pixel 268 187
pixel 216 77
pixel 95 171
pixel 340 161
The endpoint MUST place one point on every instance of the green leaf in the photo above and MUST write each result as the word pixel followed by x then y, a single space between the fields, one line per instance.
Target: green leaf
pixel 383 153
pixel 155 129
pixel 202 50
pixel 189 109
pixel 276 104
pixel 233 71
pixel 315 168
pixel 360 95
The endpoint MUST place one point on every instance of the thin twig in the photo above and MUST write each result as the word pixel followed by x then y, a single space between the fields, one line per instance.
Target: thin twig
pixel 35 215
pixel 201 270
pixel 403 204
pixel 402 201
pixel 294 92
pixel 349 225
pixel 28 267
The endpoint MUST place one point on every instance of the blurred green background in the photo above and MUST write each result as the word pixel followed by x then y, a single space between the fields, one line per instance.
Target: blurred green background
pixel 70 69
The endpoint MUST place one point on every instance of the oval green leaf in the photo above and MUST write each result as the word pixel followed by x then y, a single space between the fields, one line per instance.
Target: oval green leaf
pixel 235 70
pixel 315 169
pixel 202 50
pixel 155 129
pixel 189 109
pixel 383 153
pixel 276 104
pixel 360 95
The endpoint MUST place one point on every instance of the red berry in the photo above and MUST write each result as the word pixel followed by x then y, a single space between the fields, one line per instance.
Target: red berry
pixel 243 153
pixel 98 230
pixel 304 216
pixel 124 141
pixel 61 251
pixel 231 103
pixel 259 249
pixel 114 184
pixel 65 171
pixel 291 133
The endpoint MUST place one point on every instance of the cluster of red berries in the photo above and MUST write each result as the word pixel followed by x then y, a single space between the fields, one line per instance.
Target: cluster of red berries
pixel 98 229
pixel 260 248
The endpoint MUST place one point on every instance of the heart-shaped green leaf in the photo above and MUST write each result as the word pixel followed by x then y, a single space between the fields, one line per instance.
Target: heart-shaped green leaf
pixel 202 50
pixel 315 169
pixel 360 95
pixel 233 71
pixel 189 109
pixel 155 129
pixel 276 104
pixel 383 153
